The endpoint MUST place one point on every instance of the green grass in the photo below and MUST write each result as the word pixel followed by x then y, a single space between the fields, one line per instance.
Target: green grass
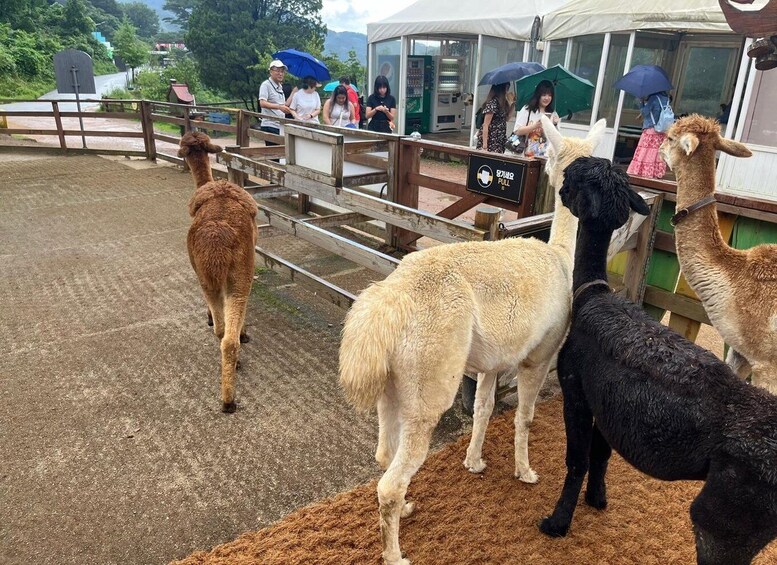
pixel 262 291
pixel 17 89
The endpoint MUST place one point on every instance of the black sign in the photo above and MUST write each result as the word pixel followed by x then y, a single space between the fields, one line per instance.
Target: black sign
pixel 74 73
pixel 501 179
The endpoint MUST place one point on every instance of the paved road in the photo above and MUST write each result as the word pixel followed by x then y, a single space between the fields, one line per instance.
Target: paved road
pixel 102 83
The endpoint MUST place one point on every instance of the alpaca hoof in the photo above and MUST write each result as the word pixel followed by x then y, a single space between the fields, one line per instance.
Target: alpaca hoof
pixel 237 365
pixel 407 509
pixel 228 407
pixel 596 500
pixel 551 527
pixel 476 466
pixel 244 338
pixel 528 476
pixel 383 460
pixel 210 320
pixel 400 561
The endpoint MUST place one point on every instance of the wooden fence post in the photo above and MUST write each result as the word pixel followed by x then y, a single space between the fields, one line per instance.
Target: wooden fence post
pixel 243 122
pixel 60 129
pixel 409 161
pixel 487 218
pixel 233 175
pixel 148 130
pixel 634 276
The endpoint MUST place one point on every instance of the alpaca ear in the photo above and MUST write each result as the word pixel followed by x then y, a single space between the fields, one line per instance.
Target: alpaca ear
pixel 551 133
pixel 637 204
pixel 212 148
pixel 596 133
pixel 688 143
pixel 733 147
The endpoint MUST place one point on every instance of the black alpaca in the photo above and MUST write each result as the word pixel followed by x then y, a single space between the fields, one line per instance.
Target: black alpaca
pixel 670 408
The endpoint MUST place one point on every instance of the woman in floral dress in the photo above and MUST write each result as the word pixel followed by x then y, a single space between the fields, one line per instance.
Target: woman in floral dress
pixel 492 136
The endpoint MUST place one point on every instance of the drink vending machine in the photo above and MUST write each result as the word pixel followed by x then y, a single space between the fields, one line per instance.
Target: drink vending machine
pixel 447 99
pixel 420 76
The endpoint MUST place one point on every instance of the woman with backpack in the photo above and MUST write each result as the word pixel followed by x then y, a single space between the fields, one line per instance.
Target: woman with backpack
pixel 654 111
pixel 492 135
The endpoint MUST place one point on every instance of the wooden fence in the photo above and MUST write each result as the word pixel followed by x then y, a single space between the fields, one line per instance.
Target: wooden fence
pixel 370 182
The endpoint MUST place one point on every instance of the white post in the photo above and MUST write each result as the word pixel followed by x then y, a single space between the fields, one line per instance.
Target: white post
pixel 568 53
pixel 472 127
pixel 746 106
pixel 600 78
pixel 526 50
pixel 621 96
pixel 404 51
pixel 744 63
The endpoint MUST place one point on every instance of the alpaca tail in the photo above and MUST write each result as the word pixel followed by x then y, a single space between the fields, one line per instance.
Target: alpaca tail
pixel 373 329
pixel 195 147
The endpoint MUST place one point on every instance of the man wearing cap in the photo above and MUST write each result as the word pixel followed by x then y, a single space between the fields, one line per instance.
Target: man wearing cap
pixel 272 100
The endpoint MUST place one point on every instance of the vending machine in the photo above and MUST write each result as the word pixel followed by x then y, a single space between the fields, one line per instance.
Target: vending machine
pixel 447 97
pixel 420 76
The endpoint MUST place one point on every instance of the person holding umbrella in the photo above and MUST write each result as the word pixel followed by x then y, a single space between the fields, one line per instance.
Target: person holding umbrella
pixel 492 135
pixel 649 84
pixel 527 120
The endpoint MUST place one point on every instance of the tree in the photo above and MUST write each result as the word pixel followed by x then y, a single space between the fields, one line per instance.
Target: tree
pixel 231 39
pixel 181 10
pixel 127 46
pixel 145 20
pixel 77 20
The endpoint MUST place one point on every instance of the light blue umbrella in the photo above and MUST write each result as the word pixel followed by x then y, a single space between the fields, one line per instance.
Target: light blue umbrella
pixel 330 86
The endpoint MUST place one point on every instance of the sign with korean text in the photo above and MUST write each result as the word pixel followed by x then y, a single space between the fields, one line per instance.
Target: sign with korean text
pixel 501 179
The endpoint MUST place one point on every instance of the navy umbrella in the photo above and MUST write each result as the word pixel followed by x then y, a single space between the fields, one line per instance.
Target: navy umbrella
pixel 303 64
pixel 643 80
pixel 510 72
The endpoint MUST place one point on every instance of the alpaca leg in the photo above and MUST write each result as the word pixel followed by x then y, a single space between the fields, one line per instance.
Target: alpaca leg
pixel 392 487
pixel 484 405
pixel 230 348
pixel 388 427
pixel 596 490
pixel 530 379
pixel 215 302
pixel 210 318
pixel 732 518
pixel 578 421
pixel 738 363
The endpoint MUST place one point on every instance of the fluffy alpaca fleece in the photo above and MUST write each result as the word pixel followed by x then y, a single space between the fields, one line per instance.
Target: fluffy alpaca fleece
pixel 481 307
pixel 669 407
pixel 221 245
pixel 738 288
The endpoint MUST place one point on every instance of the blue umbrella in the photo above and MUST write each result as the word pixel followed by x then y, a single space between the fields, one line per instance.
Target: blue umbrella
pixel 330 86
pixel 510 72
pixel 644 80
pixel 303 64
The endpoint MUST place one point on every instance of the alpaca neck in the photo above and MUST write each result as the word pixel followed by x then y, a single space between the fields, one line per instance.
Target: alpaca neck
pixel 590 256
pixel 200 167
pixel 563 229
pixel 698 235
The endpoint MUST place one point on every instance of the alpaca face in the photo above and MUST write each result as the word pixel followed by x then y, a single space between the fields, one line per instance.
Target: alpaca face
pixel 563 150
pixel 599 194
pixel 693 135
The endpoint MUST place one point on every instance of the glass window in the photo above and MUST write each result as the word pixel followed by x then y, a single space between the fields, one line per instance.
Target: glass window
pixel 761 121
pixel 386 64
pixel 496 52
pixel 616 59
pixel 557 52
pixel 584 62
pixel 706 78
pixel 424 47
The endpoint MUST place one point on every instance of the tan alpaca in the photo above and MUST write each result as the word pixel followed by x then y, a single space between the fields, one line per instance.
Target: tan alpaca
pixel 481 307
pixel 738 288
pixel 221 245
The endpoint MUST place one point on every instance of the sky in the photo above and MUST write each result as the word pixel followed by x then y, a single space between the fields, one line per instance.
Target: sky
pixel 353 15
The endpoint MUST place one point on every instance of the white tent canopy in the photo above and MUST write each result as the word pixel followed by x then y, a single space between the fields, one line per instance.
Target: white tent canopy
pixel 496 18
pixel 585 17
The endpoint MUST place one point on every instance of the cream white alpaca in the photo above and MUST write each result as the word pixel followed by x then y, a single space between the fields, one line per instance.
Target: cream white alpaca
pixel 481 307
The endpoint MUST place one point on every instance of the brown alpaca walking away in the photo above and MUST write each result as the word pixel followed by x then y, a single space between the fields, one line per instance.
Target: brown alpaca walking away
pixel 221 245
pixel 738 288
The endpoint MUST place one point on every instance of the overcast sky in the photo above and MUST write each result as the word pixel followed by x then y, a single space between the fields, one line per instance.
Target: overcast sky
pixel 353 15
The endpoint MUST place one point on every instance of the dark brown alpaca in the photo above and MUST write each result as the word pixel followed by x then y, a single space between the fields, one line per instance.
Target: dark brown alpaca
pixel 221 245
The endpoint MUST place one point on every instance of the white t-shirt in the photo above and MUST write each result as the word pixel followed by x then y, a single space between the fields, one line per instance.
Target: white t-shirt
pixel 305 103
pixel 523 116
